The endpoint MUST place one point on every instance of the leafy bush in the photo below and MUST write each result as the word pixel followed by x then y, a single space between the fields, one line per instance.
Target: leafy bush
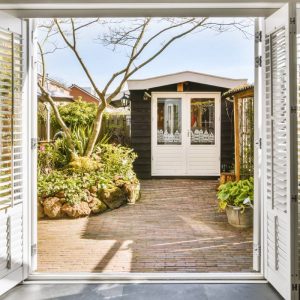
pixel 53 156
pixel 76 114
pixel 47 158
pixel 235 193
pixel 107 164
pixel 117 160
pixel 82 164
pixel 72 184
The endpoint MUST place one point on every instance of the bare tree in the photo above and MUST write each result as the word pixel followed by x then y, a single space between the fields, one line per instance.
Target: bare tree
pixel 137 37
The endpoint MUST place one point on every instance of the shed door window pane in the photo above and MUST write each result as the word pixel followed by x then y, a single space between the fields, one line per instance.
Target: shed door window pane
pixel 168 121
pixel 202 121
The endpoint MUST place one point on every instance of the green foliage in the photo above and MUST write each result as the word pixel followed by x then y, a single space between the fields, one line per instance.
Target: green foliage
pixel 52 156
pixel 80 137
pixel 117 160
pixel 235 193
pixel 48 158
pixel 62 170
pixel 57 155
pixel 42 112
pixel 84 164
pixel 76 114
pixel 71 183
pixel 101 170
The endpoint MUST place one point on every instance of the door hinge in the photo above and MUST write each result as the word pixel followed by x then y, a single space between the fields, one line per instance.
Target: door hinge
pixel 294 198
pixel 33 249
pixel 258 143
pixel 34 143
pixel 293 25
pixel 258 61
pixel 293 21
pixel 294 287
pixel 294 109
pixel 258 36
pixel 256 250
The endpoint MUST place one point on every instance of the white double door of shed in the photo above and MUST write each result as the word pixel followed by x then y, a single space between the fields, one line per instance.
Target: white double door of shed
pixel 185 134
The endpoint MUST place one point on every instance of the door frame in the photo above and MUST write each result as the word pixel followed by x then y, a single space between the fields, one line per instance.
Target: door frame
pixel 226 8
pixel 185 127
pixel 9 281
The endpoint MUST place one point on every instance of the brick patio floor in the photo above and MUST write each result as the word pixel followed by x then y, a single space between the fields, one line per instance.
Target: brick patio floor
pixel 175 227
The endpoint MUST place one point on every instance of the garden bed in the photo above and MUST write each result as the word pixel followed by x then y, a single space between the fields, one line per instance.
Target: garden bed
pixel 94 201
pixel 85 185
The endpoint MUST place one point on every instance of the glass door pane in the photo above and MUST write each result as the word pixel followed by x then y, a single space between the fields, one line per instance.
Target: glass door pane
pixel 202 121
pixel 169 121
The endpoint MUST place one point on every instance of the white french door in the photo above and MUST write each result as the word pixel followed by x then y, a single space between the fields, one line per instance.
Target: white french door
pixel 14 212
pixel 280 205
pixel 203 134
pixel 185 134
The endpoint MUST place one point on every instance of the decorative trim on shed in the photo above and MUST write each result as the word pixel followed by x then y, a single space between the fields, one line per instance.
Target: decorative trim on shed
pixel 201 78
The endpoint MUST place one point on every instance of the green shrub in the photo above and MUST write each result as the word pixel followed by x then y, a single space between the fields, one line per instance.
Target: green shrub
pixel 71 183
pixel 52 156
pixel 117 160
pixel 48 158
pixel 107 164
pixel 83 164
pixel 76 114
pixel 235 193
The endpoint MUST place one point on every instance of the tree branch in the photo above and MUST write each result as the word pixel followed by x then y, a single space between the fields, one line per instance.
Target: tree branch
pixel 135 56
pixel 47 97
pixel 43 64
pixel 84 67
pixel 73 33
pixel 132 55
pixel 163 48
pixel 87 24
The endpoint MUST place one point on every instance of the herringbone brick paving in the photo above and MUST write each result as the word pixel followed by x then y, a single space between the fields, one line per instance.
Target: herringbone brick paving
pixel 175 227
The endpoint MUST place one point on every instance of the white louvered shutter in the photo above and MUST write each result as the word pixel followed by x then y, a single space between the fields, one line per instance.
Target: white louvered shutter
pixel 12 67
pixel 278 237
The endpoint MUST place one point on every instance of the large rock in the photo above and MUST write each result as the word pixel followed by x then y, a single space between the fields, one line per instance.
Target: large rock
pixel 113 197
pixel 119 182
pixel 52 207
pixel 77 210
pixel 132 191
pixel 60 194
pixel 97 206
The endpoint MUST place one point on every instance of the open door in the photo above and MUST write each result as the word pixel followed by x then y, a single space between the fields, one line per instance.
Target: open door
pixel 280 181
pixel 14 200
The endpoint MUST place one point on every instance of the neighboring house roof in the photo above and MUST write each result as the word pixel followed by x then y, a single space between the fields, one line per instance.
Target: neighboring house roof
pixel 55 82
pixel 59 98
pixel 238 89
pixel 58 91
pixel 152 82
pixel 84 91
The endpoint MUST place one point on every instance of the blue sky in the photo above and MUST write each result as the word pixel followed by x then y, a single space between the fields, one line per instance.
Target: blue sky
pixel 227 54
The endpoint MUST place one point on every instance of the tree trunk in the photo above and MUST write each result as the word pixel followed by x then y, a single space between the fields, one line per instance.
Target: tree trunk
pixel 95 133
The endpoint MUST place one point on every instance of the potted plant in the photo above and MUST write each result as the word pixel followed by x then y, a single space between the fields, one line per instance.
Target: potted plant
pixel 236 198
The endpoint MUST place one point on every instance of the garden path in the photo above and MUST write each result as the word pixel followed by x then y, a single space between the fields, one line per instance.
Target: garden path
pixel 175 227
